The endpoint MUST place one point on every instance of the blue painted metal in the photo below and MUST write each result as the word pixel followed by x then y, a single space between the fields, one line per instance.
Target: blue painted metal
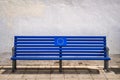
pixel 57 54
pixel 105 47
pixel 99 48
pixel 60 48
pixel 57 58
pixel 60 41
pixel 59 51
pixel 60 36
pixel 66 39
pixel 15 40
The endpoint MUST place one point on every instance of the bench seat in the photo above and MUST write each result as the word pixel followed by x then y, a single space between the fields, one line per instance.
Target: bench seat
pixel 63 58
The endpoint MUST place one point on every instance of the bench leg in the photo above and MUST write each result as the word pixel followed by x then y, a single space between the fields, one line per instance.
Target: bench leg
pixel 60 66
pixel 13 65
pixel 106 65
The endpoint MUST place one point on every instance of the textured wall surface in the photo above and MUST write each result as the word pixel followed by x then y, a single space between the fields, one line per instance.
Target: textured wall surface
pixel 60 17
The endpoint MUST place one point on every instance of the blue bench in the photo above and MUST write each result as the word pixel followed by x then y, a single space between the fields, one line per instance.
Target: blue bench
pixel 60 48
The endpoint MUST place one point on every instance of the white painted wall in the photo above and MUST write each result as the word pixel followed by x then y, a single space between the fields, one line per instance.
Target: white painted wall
pixel 60 17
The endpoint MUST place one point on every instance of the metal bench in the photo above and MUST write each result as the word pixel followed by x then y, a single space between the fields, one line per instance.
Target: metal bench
pixel 60 48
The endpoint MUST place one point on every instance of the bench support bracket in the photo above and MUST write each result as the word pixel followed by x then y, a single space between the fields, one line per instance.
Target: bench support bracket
pixel 60 61
pixel 13 61
pixel 60 65
pixel 13 65
pixel 106 62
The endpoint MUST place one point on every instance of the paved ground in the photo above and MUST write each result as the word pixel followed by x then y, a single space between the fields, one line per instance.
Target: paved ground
pixel 80 70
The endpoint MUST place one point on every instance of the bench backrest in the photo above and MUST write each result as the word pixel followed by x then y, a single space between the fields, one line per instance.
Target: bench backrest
pixel 60 46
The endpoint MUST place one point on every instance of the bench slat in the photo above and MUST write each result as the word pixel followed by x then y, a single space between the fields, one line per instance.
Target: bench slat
pixel 35 40
pixel 60 36
pixel 53 43
pixel 53 40
pixel 60 54
pixel 60 49
pixel 101 51
pixel 57 46
pixel 68 39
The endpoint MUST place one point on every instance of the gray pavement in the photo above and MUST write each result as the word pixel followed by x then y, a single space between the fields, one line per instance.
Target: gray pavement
pixel 72 70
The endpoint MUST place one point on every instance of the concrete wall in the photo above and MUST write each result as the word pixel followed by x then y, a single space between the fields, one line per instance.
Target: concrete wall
pixel 60 17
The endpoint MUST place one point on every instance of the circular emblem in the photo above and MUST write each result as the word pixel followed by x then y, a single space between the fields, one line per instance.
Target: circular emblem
pixel 60 41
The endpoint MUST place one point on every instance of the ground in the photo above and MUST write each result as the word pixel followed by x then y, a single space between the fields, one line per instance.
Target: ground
pixel 72 70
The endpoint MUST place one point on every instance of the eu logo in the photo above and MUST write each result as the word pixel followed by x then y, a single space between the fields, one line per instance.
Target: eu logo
pixel 60 41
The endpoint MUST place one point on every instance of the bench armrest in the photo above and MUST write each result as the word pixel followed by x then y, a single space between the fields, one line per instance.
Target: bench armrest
pixel 107 51
pixel 13 51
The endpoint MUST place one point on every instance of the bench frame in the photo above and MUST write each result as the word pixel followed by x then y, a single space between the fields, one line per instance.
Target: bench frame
pixel 106 62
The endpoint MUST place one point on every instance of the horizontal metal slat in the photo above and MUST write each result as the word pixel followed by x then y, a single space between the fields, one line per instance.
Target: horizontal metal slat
pixel 57 58
pixel 82 55
pixel 59 48
pixel 37 54
pixel 60 36
pixel 60 54
pixel 85 42
pixel 53 43
pixel 35 40
pixel 86 58
pixel 35 58
pixel 79 39
pixel 34 43
pixel 37 48
pixel 53 40
pixel 82 49
pixel 59 51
